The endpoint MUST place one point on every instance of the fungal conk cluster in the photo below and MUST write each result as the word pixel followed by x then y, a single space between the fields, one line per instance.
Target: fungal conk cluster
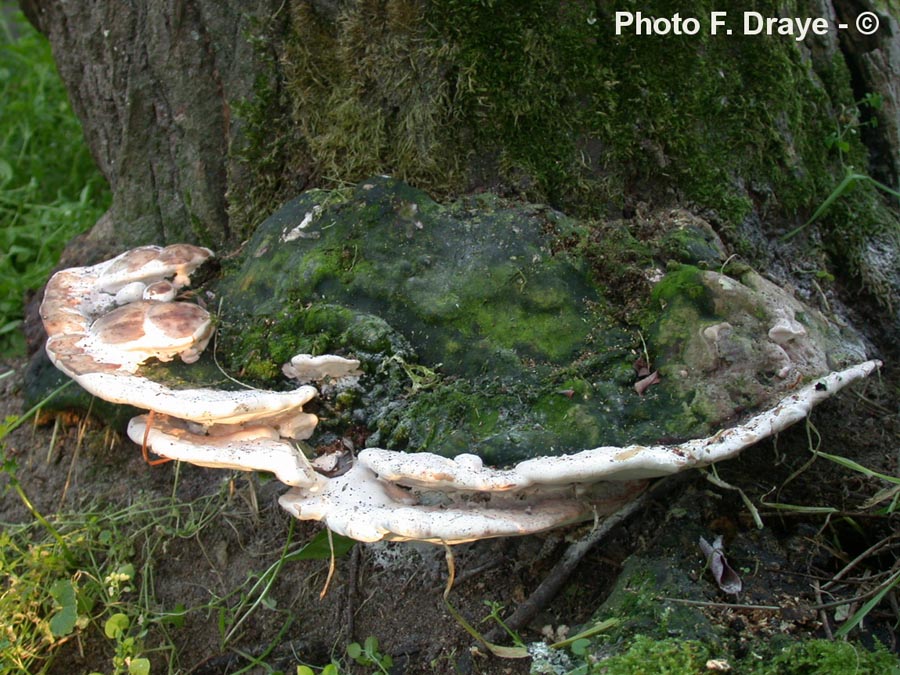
pixel 105 321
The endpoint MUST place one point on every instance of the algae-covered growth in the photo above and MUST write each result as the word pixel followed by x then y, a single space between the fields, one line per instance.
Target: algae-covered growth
pixel 494 328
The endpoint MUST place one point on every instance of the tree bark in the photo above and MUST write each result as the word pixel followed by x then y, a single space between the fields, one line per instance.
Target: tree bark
pixel 537 100
pixel 153 84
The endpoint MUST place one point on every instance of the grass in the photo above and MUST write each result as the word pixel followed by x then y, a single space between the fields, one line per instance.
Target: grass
pixel 837 140
pixel 84 579
pixel 50 189
pixel 87 576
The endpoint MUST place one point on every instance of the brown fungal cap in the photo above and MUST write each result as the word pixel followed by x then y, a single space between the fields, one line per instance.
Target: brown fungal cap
pixel 151 263
pixel 160 290
pixel 69 355
pixel 150 328
pixel 83 325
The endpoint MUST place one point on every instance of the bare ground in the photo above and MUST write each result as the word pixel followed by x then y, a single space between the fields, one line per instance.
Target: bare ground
pixel 394 592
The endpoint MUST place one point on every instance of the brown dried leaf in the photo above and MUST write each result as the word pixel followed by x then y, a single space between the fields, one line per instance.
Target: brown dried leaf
pixel 643 384
pixel 641 367
pixel 726 578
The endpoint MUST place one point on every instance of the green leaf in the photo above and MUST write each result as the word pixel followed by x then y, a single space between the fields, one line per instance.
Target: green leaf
pixel 63 622
pixel 305 670
pixel 116 625
pixel 892 493
pixel 140 666
pixel 863 611
pixel 330 669
pixel 599 627
pixel 854 466
pixel 354 651
pixel 497 650
pixel 175 618
pixel 849 179
pixel 223 628
pixel 371 644
pixel 580 646
pixel 873 100
pixel 10 326
pixel 318 548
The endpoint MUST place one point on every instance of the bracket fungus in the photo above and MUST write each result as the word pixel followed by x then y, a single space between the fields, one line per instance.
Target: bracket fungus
pixel 309 368
pixel 101 343
pixel 107 322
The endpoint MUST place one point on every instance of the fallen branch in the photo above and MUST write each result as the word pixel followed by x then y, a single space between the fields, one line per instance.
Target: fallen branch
pixel 550 586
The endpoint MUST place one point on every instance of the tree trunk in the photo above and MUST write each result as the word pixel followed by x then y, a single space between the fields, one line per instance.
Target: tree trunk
pixel 153 84
pixel 205 116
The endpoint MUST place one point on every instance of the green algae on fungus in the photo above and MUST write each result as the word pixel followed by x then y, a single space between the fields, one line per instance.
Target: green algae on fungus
pixel 490 327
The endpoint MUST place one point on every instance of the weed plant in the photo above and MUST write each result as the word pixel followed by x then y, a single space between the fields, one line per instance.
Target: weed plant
pixel 50 189
pixel 838 141
pixel 87 577
pixel 89 573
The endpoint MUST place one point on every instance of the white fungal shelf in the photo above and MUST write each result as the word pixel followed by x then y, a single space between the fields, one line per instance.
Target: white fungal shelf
pixel 105 320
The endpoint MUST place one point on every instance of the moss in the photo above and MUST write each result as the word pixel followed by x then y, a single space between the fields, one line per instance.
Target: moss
pixel 824 657
pixel 646 656
pixel 552 333
pixel 678 303
pixel 682 284
pixel 255 347
pixel 459 426
pixel 690 245
pixel 571 115
pixel 636 600
pixel 654 635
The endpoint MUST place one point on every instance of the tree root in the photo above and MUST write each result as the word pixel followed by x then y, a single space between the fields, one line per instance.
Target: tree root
pixel 553 582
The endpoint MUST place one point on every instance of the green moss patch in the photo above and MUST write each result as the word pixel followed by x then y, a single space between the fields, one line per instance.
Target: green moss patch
pixel 547 101
pixel 544 102
pixel 508 330
pixel 479 324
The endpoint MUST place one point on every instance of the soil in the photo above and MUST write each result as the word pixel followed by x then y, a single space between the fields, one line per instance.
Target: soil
pixel 394 591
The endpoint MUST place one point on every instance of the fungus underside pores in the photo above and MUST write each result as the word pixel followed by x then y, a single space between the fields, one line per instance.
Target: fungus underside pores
pixel 105 321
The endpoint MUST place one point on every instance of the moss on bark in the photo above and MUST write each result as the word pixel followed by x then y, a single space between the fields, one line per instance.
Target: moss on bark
pixel 541 100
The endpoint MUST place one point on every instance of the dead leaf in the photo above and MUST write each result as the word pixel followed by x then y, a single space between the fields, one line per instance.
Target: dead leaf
pixel 643 384
pixel 726 578
pixel 641 367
